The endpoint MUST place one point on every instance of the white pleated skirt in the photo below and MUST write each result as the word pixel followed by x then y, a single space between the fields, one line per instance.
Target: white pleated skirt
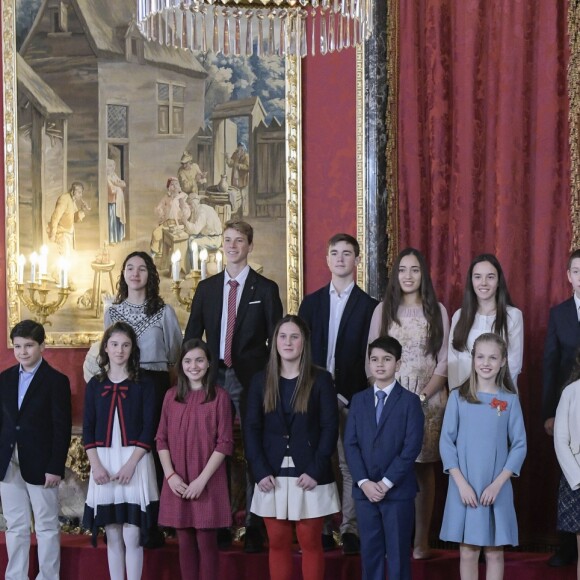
pixel 287 501
pixel 136 502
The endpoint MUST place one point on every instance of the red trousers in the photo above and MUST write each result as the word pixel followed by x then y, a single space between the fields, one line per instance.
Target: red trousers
pixel 280 537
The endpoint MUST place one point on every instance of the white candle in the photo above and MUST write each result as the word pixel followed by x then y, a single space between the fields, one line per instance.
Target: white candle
pixel 176 265
pixel 194 256
pixel 219 261
pixel 43 261
pixel 203 256
pixel 21 263
pixel 33 261
pixel 63 273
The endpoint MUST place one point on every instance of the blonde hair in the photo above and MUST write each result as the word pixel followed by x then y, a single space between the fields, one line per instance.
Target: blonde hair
pixel 468 390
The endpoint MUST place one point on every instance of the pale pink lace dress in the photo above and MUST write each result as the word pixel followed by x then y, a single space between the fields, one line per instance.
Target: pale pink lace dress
pixel 417 368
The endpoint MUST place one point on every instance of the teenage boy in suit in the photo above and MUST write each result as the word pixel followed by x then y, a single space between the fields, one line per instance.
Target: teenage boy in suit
pixel 562 342
pixel 35 431
pixel 384 434
pixel 237 310
pixel 339 315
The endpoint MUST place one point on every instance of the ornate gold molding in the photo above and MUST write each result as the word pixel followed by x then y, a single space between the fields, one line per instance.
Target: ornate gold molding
pixel 392 131
pixel 294 217
pixel 294 253
pixel 361 222
pixel 574 118
pixel 10 159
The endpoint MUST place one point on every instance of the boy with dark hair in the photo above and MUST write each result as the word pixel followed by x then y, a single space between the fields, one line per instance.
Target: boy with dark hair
pixel 384 434
pixel 35 430
pixel 339 315
pixel 562 342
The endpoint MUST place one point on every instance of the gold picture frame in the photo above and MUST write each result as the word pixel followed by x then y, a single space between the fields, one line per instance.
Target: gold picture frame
pixel 37 115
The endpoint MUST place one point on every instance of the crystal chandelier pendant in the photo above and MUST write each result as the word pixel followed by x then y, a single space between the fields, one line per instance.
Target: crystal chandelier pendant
pixel 260 27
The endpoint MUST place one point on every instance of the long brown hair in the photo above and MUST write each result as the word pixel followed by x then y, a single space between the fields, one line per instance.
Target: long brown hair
pixel 306 372
pixel 468 390
pixel 103 356
pixel 469 305
pixel 183 386
pixel 153 301
pixel 431 310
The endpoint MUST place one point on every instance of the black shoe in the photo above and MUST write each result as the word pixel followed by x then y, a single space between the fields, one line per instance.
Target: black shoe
pixel 253 540
pixel 328 543
pixel 156 539
pixel 224 538
pixel 561 558
pixel 350 544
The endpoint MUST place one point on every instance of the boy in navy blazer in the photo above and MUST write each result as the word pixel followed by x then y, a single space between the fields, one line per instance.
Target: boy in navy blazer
pixel 562 342
pixel 384 433
pixel 339 315
pixel 35 430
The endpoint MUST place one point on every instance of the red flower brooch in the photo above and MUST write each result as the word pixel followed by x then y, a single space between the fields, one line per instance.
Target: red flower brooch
pixel 500 406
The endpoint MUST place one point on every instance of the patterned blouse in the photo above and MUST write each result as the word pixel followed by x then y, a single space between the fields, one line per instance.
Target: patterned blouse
pixel 158 336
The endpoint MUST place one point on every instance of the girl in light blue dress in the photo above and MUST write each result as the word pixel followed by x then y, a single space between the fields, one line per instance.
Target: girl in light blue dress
pixel 483 445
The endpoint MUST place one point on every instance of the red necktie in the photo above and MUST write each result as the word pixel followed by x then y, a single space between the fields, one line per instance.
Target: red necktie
pixel 232 298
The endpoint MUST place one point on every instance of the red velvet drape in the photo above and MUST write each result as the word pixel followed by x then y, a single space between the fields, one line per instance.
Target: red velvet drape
pixel 484 167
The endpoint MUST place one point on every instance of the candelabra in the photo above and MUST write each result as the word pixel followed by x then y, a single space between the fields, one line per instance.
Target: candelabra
pixel 35 295
pixel 176 288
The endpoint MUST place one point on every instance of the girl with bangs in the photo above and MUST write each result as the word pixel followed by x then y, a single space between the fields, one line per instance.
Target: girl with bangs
pixel 194 437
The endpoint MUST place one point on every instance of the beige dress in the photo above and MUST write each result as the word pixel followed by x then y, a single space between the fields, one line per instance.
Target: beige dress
pixel 417 368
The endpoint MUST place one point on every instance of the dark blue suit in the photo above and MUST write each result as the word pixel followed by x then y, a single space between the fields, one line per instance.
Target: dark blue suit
pixel 351 340
pixel 389 450
pixel 562 342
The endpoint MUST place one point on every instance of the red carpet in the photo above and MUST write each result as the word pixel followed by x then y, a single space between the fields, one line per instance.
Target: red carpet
pixel 81 561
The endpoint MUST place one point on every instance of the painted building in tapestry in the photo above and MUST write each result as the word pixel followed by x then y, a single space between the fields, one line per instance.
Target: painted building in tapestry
pixel 111 96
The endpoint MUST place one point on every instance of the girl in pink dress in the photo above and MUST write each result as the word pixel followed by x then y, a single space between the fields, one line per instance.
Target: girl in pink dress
pixel 193 439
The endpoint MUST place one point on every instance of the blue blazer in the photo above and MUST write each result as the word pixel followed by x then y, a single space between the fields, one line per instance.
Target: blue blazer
pixel 562 342
pixel 388 449
pixel 351 341
pixel 311 436
pixel 41 427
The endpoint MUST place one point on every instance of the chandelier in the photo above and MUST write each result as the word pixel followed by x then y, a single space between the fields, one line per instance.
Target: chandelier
pixel 261 27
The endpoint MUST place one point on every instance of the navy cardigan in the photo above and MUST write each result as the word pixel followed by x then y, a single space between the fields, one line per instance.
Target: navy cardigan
pixel 137 407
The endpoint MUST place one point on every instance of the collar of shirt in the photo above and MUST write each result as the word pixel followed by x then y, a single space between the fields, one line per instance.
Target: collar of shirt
pixel 32 372
pixel 240 278
pixel 344 294
pixel 577 302
pixel 24 380
pixel 386 390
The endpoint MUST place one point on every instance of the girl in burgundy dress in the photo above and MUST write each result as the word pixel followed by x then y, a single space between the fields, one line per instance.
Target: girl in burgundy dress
pixel 193 439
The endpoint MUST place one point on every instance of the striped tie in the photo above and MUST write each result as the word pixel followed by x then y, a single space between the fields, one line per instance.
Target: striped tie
pixel 232 296
pixel 381 395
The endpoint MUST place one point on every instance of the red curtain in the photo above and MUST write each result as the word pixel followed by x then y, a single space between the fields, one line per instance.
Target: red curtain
pixel 484 167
